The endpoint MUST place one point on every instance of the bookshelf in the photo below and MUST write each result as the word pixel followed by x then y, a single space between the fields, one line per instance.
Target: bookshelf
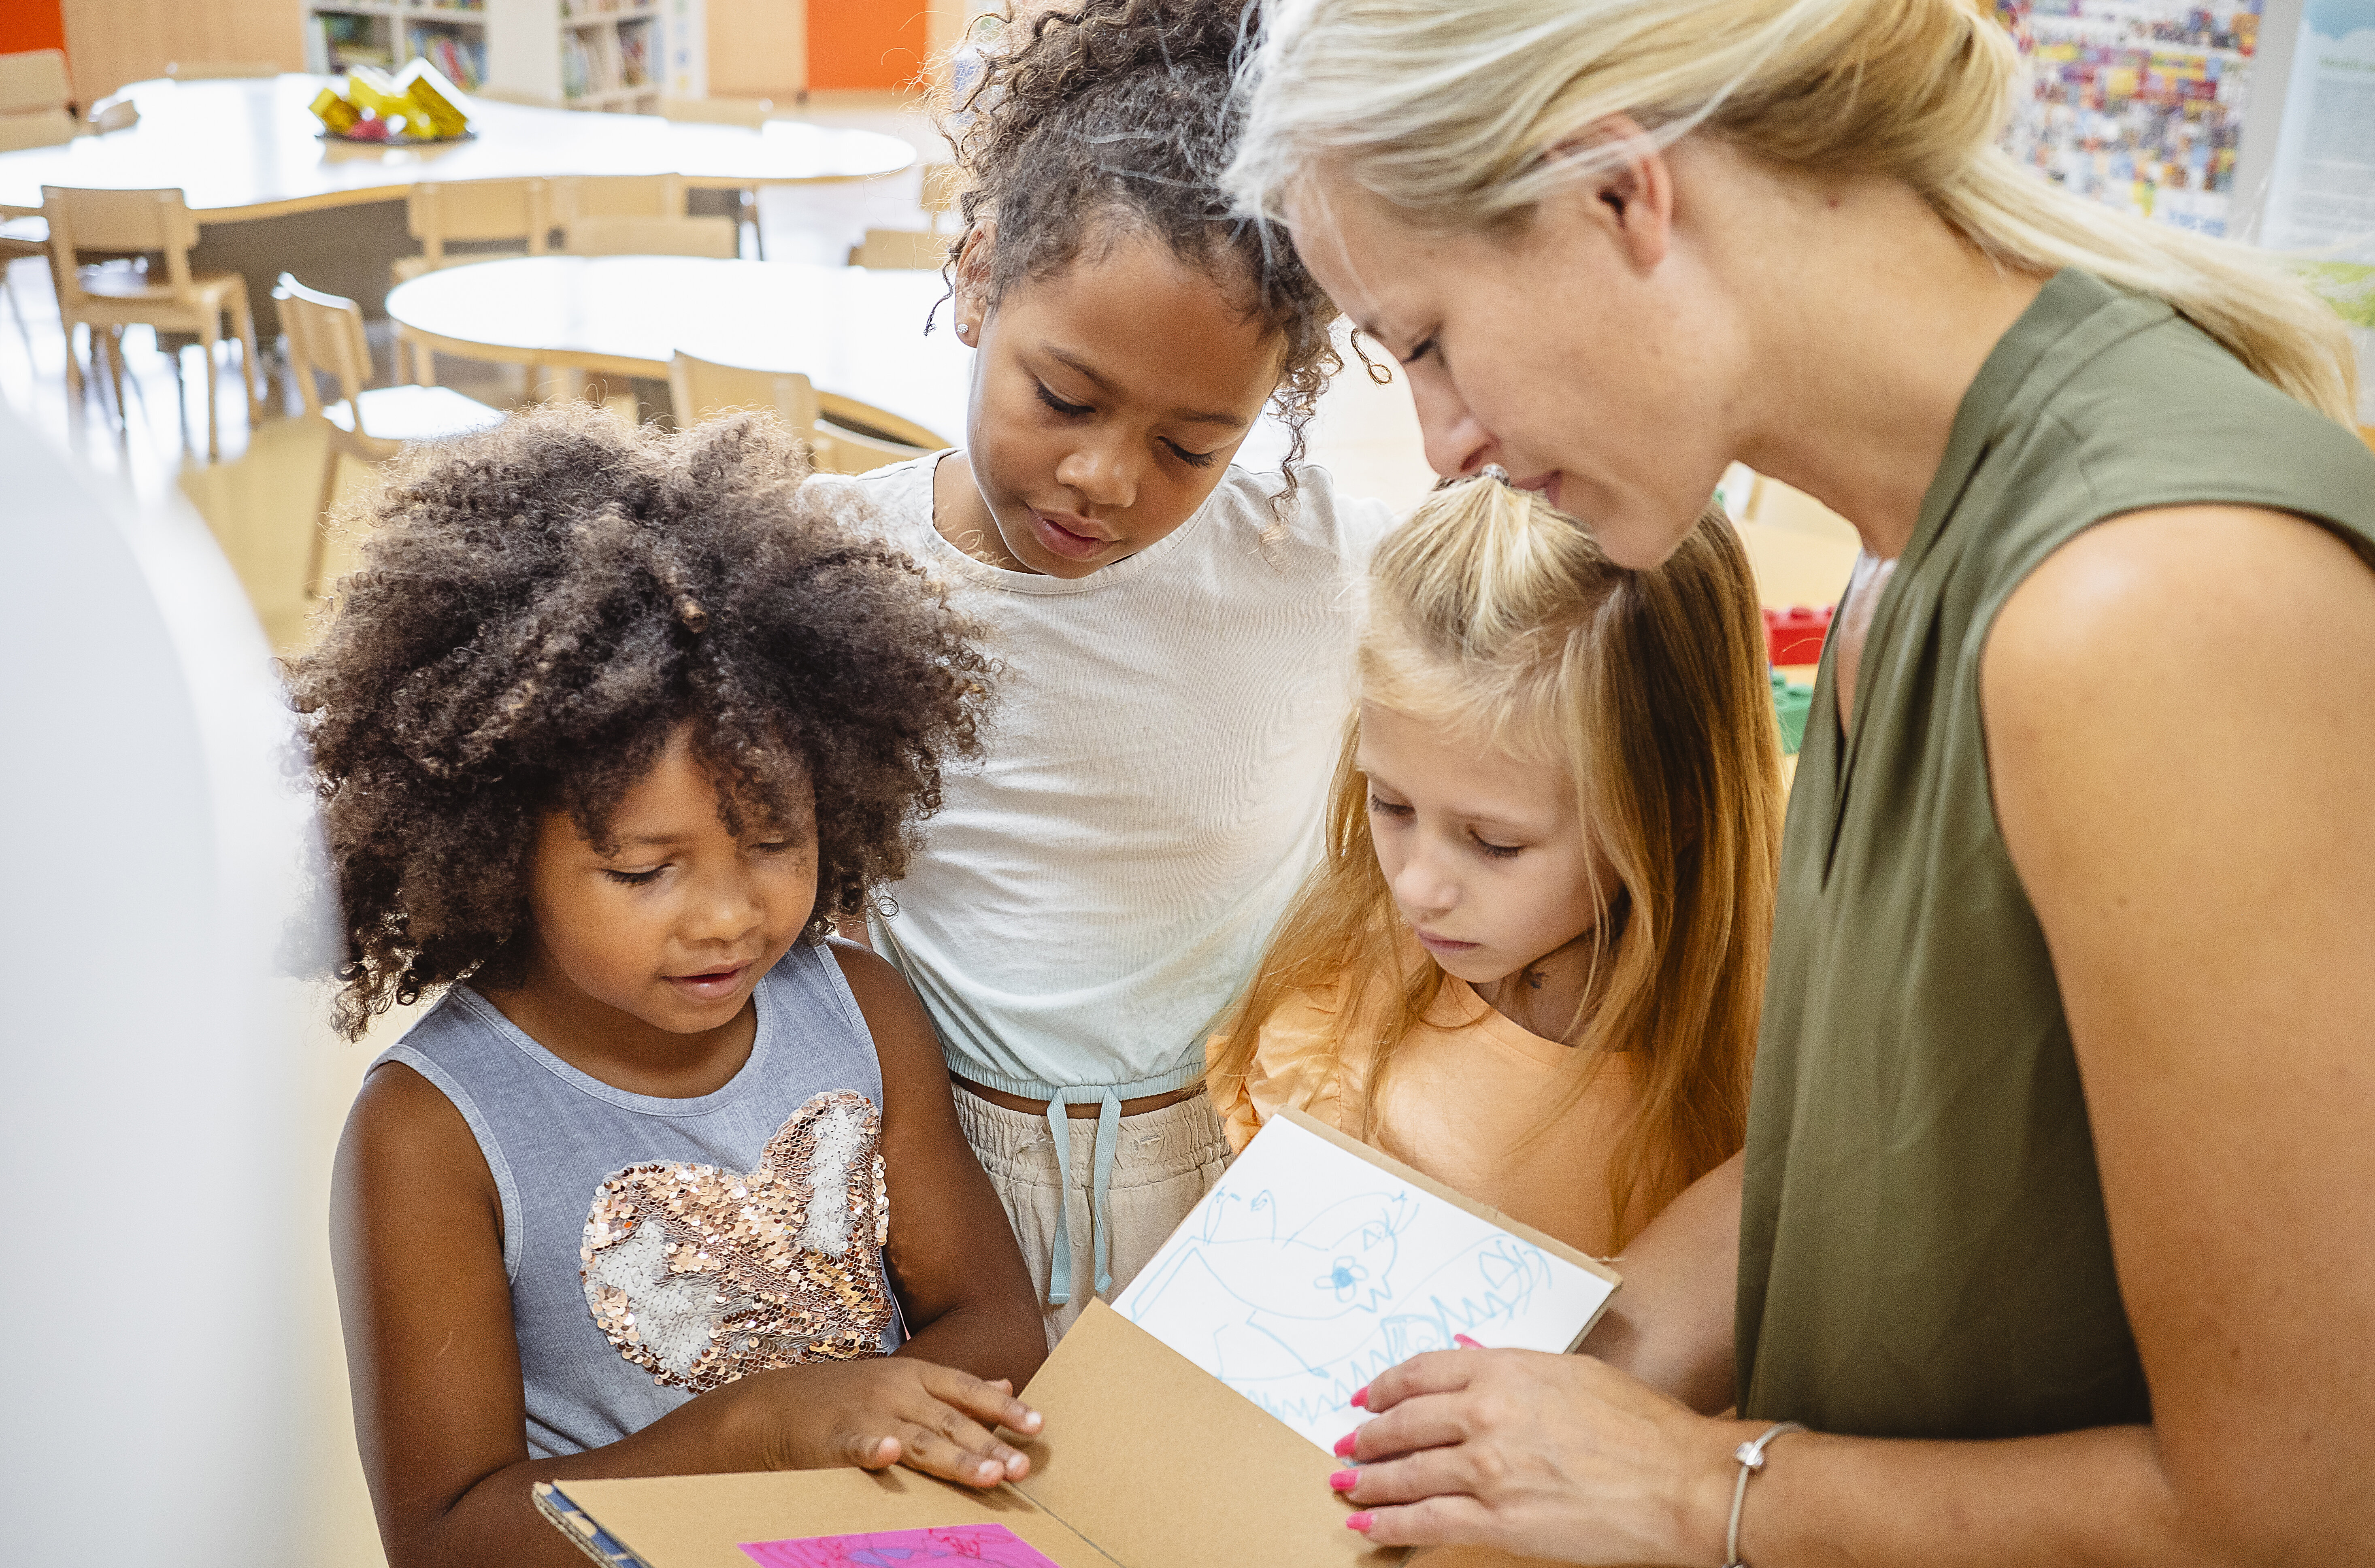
pixel 619 55
pixel 610 56
pixel 452 36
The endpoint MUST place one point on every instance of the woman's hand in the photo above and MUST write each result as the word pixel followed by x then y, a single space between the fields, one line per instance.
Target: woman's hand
pixel 885 1411
pixel 1557 1457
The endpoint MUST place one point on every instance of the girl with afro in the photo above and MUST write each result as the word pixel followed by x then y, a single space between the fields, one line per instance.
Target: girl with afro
pixel 608 730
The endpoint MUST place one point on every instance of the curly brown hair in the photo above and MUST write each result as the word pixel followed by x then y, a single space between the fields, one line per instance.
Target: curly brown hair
pixel 1095 118
pixel 539 608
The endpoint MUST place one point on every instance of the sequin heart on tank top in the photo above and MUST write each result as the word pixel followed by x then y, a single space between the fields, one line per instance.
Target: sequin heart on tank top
pixel 701 1276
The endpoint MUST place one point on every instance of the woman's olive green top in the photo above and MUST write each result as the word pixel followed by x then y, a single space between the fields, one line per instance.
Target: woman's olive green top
pixel 1923 1247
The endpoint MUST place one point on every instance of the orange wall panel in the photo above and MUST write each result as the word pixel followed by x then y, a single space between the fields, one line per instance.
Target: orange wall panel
pixel 867 43
pixel 31 24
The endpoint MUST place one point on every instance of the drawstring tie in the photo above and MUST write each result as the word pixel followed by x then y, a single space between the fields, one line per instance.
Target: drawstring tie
pixel 1101 1165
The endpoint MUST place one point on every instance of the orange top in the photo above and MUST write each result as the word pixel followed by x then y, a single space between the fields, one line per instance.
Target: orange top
pixel 1470 1099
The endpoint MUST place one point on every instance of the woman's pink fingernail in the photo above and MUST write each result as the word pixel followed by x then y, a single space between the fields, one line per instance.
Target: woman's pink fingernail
pixel 1345 1480
pixel 1359 1399
pixel 1361 1521
pixel 1465 1343
pixel 1344 1444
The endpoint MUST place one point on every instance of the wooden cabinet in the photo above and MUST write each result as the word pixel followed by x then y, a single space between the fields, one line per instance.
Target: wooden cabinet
pixel 110 42
pixel 759 48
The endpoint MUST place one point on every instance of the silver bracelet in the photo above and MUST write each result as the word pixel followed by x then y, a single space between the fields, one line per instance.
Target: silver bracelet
pixel 1751 1460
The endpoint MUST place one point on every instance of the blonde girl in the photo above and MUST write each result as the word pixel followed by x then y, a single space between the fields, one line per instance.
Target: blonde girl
pixel 2060 1093
pixel 1530 964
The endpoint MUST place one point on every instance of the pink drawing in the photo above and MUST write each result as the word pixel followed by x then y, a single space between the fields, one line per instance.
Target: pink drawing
pixel 993 1545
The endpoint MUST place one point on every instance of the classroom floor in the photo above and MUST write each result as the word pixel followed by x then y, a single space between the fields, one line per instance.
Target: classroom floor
pixel 258 502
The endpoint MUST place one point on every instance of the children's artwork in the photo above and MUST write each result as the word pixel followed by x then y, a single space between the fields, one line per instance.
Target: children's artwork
pixel 2138 104
pixel 991 1544
pixel 1309 1270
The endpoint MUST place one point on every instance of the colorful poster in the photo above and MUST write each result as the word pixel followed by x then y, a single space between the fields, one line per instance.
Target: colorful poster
pixel 994 1546
pixel 2138 104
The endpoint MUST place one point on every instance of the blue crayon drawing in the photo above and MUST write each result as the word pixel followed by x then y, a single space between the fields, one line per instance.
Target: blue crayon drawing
pixel 1297 1309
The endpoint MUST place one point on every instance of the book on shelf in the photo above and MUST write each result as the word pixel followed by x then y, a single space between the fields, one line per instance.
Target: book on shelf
pixel 635 55
pixel 602 55
pixel 576 69
pixel 349 42
pixel 464 59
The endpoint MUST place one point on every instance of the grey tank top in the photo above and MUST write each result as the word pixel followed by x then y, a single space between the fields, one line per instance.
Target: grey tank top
pixel 658 1248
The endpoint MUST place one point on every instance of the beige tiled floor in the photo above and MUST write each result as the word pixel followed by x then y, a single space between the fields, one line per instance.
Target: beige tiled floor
pixel 258 501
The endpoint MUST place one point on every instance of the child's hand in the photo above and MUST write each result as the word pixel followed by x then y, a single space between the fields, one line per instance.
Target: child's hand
pixel 892 1410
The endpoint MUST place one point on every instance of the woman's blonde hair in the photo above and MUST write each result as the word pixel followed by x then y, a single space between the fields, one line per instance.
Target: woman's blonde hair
pixel 1465 115
pixel 1489 612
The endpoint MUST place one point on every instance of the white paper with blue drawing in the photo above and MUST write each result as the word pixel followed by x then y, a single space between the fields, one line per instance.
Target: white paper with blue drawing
pixel 1310 1268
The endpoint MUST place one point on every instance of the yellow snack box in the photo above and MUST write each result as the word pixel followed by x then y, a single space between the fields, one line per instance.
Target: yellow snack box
pixel 432 97
pixel 335 112
pixel 367 88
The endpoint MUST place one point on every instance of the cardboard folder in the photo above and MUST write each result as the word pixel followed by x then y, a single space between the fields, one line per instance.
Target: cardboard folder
pixel 1148 1463
pixel 1145 1461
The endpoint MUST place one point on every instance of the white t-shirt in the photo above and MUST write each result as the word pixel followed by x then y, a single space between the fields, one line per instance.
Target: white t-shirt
pixel 1089 901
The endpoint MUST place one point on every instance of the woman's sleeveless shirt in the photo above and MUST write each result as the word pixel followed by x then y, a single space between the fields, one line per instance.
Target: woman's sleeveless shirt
pixel 1924 1251
pixel 658 1247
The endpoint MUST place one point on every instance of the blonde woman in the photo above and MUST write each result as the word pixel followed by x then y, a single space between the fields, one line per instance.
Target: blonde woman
pixel 2053 1224
pixel 1529 961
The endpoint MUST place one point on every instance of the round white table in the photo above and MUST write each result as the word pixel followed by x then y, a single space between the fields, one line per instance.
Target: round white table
pixel 270 195
pixel 849 330
pixel 247 147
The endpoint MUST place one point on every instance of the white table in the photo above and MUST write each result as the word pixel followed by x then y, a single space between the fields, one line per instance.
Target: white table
pixel 849 330
pixel 270 195
pixel 248 148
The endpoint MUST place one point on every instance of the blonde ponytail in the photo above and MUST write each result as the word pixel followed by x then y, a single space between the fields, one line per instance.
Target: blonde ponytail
pixel 1453 113
pixel 2269 320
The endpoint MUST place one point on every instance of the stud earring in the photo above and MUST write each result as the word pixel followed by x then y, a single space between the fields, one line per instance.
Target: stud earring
pixel 965 329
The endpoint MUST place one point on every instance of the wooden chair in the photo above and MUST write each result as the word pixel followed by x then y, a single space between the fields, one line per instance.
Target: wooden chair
pixel 576 196
pixel 43 127
pixel 36 98
pixel 863 437
pixel 218 70
pixel 475 212
pixel 34 80
pixel 714 236
pixel 908 248
pixel 109 299
pixel 325 337
pixel 752 114
pixel 21 239
pixel 844 436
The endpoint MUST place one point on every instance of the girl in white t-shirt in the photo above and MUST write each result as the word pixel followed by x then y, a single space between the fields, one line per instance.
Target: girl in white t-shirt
pixel 1173 631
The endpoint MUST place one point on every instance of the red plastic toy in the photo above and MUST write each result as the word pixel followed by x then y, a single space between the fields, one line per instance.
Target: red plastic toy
pixel 1794 636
